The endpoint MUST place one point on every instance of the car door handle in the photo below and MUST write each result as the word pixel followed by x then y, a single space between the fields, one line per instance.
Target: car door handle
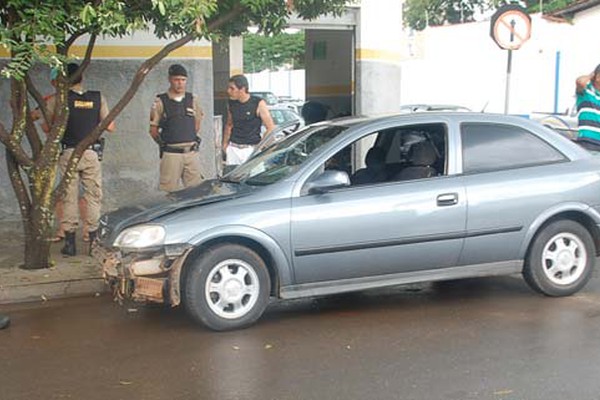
pixel 447 199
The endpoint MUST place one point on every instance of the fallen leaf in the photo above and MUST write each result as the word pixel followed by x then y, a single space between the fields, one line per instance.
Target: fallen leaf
pixel 96 294
pixel 46 275
pixel 235 348
pixel 44 298
pixel 125 383
pixel 348 347
pixel 35 337
pixel 268 346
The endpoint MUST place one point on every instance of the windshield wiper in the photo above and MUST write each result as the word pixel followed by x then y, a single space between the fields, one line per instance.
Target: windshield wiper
pixel 223 179
pixel 251 182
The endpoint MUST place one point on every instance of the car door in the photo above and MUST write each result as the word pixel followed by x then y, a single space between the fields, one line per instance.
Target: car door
pixel 378 229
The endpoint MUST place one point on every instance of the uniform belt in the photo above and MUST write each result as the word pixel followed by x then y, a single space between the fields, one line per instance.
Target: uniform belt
pixel 241 146
pixel 180 150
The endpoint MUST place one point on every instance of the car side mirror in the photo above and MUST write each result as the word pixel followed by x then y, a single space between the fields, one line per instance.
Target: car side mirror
pixel 328 180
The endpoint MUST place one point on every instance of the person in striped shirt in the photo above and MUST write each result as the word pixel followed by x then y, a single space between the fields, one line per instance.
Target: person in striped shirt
pixel 588 107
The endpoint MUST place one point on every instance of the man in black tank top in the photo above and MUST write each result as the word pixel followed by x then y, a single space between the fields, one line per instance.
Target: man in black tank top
pixel 175 120
pixel 86 110
pixel 245 116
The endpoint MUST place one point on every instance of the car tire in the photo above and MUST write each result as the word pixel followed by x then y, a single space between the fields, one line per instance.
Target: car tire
pixel 561 259
pixel 226 287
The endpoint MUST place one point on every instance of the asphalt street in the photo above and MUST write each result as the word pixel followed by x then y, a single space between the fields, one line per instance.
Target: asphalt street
pixel 472 339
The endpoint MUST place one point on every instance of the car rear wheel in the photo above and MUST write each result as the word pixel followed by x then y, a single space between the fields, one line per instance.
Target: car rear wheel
pixel 561 259
pixel 227 287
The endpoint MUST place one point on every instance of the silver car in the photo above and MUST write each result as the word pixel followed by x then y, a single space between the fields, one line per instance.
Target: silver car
pixel 365 203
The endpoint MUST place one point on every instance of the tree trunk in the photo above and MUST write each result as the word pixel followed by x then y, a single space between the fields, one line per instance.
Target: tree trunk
pixel 38 231
pixel 36 208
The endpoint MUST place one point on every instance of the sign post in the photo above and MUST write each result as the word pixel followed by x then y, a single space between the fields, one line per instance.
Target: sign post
pixel 510 28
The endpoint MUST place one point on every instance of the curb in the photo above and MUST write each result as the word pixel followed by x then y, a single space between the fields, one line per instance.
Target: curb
pixel 51 290
pixel 70 277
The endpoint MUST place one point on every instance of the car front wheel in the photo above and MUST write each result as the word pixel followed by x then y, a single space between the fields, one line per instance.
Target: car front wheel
pixel 227 287
pixel 561 259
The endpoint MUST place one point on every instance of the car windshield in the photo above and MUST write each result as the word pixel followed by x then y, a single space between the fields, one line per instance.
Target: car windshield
pixel 284 158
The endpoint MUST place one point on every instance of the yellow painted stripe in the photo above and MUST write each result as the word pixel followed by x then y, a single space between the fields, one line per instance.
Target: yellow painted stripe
pixel 378 55
pixel 330 90
pixel 105 51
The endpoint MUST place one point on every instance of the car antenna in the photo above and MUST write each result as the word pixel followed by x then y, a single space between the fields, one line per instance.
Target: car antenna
pixel 485 106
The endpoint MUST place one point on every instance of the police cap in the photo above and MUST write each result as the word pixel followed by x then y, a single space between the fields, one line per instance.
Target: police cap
pixel 177 70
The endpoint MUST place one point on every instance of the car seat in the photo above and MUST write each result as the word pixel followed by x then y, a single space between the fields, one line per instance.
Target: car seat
pixel 375 170
pixel 421 157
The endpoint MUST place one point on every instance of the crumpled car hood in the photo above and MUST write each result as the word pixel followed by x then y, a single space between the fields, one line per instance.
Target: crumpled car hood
pixel 210 191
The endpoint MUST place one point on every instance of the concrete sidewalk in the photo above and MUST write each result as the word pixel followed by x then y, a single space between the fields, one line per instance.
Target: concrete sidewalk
pixel 69 276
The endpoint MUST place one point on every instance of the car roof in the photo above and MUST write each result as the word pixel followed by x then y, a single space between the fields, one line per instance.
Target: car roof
pixel 403 118
pixel 384 121
pixel 434 107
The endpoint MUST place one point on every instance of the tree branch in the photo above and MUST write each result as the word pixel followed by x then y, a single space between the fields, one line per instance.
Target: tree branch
pixel 14 148
pixel 19 187
pixel 217 23
pixel 69 42
pixel 12 141
pixel 86 60
pixel 37 96
pixel 57 126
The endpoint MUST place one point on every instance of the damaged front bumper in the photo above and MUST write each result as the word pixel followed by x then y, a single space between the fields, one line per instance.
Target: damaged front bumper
pixel 150 276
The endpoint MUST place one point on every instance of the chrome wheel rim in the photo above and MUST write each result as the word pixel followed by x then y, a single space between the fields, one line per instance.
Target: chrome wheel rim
pixel 564 259
pixel 232 288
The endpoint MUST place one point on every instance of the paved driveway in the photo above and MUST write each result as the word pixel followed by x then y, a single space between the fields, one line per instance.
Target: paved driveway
pixel 473 339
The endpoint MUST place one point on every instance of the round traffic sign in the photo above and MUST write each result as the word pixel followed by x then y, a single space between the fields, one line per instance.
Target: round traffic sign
pixel 510 27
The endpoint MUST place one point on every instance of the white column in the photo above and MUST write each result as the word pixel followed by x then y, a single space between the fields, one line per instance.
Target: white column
pixel 378 54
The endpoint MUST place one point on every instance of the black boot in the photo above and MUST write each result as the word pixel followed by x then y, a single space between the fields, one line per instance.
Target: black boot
pixel 93 237
pixel 4 321
pixel 69 247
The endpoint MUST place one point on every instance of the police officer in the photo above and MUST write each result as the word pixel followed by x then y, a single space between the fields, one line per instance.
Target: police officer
pixel 245 116
pixel 175 120
pixel 86 110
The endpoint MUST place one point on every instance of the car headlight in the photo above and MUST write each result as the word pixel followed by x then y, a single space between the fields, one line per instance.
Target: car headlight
pixel 141 236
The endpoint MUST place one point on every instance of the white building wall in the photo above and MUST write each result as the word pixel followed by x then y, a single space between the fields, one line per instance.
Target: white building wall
pixel 281 83
pixel 584 45
pixel 461 64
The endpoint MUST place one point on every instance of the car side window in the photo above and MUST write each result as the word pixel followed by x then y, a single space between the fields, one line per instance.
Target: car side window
pixel 494 147
pixel 394 154
pixel 348 159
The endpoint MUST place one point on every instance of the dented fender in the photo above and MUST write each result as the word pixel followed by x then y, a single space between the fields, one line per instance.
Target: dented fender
pixel 276 250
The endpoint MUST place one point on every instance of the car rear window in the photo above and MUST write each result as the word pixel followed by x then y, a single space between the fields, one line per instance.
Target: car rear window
pixel 494 147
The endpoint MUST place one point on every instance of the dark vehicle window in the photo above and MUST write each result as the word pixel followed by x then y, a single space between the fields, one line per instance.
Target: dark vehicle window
pixel 490 147
pixel 394 154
